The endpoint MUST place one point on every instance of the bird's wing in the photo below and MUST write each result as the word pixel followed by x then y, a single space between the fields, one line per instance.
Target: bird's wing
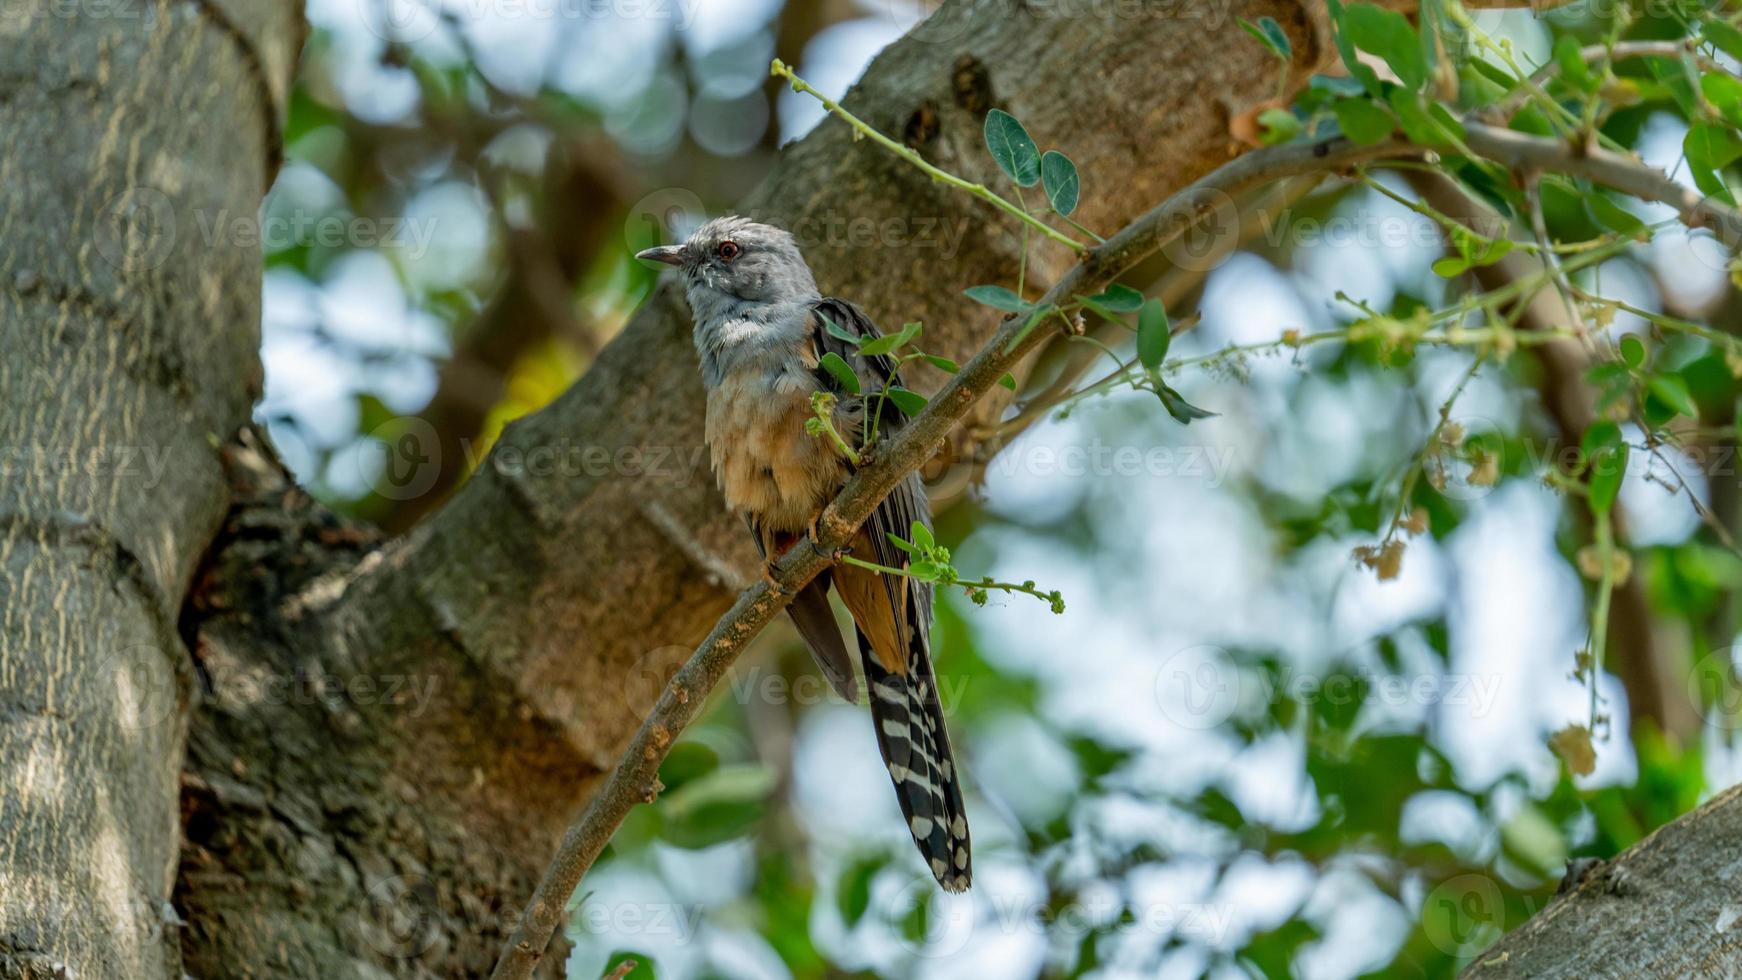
pixel 833 322
pixel 893 616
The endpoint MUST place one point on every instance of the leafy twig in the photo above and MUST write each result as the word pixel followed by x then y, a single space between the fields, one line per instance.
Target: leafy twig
pixel 981 191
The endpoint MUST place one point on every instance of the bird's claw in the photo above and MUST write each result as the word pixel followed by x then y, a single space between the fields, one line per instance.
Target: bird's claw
pixel 768 576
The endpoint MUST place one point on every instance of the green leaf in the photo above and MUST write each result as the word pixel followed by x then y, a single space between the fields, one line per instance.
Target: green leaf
pixel 1368 78
pixel 1270 34
pixel 719 806
pixel 1277 126
pixel 921 536
pixel 941 363
pixel 1493 251
pixel 1183 412
pixel 1059 175
pixel 1673 392
pixel 1600 436
pixel 1421 126
pixel 1709 149
pixel 897 541
pixel 998 298
pixel 853 893
pixel 1451 266
pixel 910 402
pixel 1574 71
pixel 1363 121
pixel 1387 34
pixel 1153 334
pixel 839 332
pixel 1615 217
pixel 840 371
pixel 1607 468
pixel 925 571
pixel 1681 84
pixel 1012 148
pixel 890 342
pixel 1724 92
pixel 1724 37
pixel 1008 381
pixel 1118 298
pixel 1633 351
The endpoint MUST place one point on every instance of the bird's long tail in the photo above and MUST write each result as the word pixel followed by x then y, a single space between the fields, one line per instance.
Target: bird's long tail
pixel 916 746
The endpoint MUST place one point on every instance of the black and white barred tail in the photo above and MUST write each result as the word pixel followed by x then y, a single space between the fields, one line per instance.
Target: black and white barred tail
pixel 916 746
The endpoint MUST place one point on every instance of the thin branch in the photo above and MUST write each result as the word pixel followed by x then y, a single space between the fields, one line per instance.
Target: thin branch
pixel 980 191
pixel 1620 171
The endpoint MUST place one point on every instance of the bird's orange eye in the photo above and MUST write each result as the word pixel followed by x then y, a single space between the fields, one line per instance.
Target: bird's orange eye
pixel 728 250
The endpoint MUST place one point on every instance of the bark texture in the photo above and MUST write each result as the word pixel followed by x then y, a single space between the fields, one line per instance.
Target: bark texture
pixel 1665 907
pixel 127 130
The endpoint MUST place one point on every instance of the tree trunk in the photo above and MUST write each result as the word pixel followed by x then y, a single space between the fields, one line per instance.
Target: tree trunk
pixel 1665 907
pixel 332 754
pixel 131 345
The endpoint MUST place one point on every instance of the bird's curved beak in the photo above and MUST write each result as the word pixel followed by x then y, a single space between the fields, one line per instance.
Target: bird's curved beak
pixel 664 254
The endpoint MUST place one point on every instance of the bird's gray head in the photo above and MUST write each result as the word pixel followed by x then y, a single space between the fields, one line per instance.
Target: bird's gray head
pixel 732 264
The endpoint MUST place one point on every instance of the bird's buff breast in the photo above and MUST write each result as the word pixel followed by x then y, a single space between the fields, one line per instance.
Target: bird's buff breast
pixel 765 462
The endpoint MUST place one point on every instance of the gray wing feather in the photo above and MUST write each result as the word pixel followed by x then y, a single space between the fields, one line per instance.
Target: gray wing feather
pixel 907 503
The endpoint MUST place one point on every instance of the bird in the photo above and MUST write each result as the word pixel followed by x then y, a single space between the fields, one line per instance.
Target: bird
pixel 762 330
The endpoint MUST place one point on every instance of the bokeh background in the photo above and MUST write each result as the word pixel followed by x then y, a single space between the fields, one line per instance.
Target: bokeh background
pixel 1239 752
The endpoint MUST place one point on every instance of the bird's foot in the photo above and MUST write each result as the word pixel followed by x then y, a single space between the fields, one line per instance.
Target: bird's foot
pixel 837 556
pixel 768 577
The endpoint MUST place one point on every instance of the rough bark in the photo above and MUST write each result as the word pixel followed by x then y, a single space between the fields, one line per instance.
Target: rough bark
pixel 1665 907
pixel 129 131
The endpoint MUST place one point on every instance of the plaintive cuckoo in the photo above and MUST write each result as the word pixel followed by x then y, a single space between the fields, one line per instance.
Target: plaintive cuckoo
pixel 760 331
